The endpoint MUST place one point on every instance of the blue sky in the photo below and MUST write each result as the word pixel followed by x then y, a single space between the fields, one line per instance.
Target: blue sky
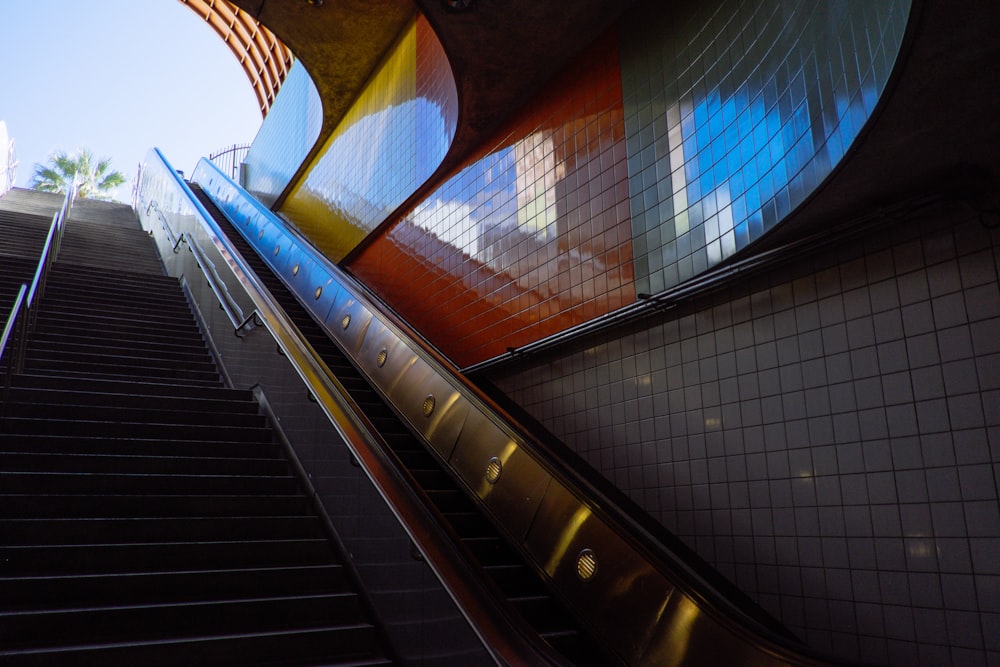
pixel 119 77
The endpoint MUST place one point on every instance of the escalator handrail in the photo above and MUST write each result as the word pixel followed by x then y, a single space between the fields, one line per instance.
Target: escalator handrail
pixel 506 637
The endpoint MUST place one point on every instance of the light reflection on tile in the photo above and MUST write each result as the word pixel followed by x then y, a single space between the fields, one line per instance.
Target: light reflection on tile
pixel 285 138
pixel 530 238
pixel 731 130
pixel 389 142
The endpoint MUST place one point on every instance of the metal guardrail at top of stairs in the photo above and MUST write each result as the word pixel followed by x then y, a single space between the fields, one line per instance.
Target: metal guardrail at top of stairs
pixel 21 320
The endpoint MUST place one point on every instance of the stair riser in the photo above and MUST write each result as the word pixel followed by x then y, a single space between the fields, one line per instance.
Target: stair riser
pixel 151 623
pixel 42 410
pixel 154 338
pixel 120 559
pixel 308 646
pixel 195 448
pixel 90 314
pixel 166 367
pixel 122 375
pixel 77 285
pixel 148 506
pixel 136 353
pixel 47 532
pixel 139 429
pixel 55 322
pixel 110 386
pixel 185 405
pixel 68 483
pixel 139 465
pixel 167 587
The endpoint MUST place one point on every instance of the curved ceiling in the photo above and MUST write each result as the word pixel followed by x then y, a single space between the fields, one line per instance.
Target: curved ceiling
pixel 264 58
pixel 500 52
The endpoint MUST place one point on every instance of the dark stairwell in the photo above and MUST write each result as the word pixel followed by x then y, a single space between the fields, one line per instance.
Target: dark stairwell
pixel 147 515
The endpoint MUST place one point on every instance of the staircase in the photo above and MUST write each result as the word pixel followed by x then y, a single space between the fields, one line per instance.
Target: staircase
pixel 146 514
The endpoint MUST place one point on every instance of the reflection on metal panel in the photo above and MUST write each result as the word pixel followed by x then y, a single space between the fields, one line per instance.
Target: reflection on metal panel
pixel 620 588
pixel 509 481
pixel 348 317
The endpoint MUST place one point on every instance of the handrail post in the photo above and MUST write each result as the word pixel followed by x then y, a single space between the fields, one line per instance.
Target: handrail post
pixel 64 214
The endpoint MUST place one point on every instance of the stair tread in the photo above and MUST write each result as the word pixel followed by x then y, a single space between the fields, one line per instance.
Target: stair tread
pixel 146 499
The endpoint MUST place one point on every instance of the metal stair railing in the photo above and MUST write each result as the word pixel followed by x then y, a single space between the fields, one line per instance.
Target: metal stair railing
pixel 241 323
pixel 23 315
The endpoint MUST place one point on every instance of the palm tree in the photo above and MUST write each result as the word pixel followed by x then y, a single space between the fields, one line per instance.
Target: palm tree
pixel 93 179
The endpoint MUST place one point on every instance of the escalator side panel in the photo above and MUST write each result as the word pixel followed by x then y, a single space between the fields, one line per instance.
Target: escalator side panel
pixel 484 453
pixel 350 319
pixel 581 556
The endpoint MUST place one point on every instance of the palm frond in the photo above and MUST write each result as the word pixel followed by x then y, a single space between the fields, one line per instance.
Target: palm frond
pixel 93 178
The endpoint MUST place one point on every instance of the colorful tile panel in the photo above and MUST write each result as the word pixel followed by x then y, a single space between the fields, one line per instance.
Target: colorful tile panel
pixel 735 115
pixel 389 142
pixel 528 239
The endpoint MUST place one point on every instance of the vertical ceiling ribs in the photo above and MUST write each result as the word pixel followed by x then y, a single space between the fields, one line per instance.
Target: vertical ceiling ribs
pixel 264 58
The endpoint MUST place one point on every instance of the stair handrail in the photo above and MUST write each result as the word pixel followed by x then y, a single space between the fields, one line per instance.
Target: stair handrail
pixel 21 321
pixel 8 331
pixel 228 304
pixel 218 287
pixel 175 239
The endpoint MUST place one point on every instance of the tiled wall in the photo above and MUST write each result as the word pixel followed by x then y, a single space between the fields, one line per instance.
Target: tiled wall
pixel 633 176
pixel 285 138
pixel 390 141
pixel 530 238
pixel 827 436
pixel 735 112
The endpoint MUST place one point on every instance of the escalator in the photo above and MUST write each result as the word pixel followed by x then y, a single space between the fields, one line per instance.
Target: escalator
pixel 539 559
pixel 511 576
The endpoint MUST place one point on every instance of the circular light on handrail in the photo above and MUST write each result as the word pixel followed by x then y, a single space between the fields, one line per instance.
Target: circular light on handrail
pixel 428 406
pixel 493 470
pixel 277 249
pixel 295 270
pixel 261 235
pixel 586 565
pixel 346 322
pixel 319 290
pixel 381 358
